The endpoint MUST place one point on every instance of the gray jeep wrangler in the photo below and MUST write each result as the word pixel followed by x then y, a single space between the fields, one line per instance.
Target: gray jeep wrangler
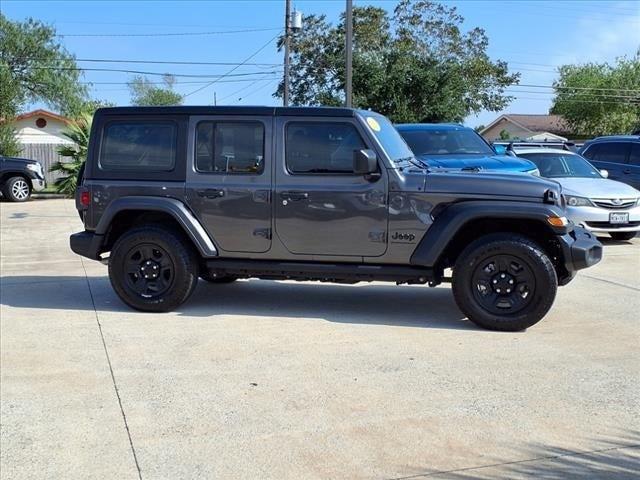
pixel 173 194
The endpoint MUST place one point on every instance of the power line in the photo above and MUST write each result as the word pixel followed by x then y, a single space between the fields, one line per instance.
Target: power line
pixel 166 34
pixel 236 67
pixel 141 72
pixel 162 62
pixel 578 95
pixel 177 85
pixel 578 88
pixel 262 87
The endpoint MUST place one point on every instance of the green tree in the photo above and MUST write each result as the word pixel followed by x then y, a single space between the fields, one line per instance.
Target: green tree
pixel 413 65
pixel 78 133
pixel 9 145
pixel 35 67
pixel 504 135
pixel 599 98
pixel 144 92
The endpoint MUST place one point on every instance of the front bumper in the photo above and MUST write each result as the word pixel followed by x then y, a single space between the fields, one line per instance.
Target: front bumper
pixel 596 219
pixel 580 249
pixel 38 185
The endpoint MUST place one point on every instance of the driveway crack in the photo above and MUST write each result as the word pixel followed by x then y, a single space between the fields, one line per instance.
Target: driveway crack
pixel 113 378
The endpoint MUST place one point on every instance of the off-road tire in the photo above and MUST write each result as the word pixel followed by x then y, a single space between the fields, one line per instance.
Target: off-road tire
pixel 622 235
pixel 175 248
pixel 11 192
pixel 468 291
pixel 208 277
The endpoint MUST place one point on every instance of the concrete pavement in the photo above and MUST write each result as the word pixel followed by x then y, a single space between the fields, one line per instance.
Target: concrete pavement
pixel 263 379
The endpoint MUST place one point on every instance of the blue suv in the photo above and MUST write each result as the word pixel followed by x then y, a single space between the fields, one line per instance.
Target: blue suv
pixel 452 146
pixel 619 155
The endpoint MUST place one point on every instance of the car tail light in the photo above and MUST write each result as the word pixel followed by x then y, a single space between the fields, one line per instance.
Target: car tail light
pixel 85 198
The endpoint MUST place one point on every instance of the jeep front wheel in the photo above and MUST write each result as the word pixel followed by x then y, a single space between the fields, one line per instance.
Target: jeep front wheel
pixel 153 268
pixel 504 282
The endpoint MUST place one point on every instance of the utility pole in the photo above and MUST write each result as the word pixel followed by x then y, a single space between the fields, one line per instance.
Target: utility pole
pixel 215 98
pixel 349 54
pixel 287 23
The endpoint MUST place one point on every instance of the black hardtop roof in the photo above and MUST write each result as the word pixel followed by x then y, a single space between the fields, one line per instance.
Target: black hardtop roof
pixel 230 110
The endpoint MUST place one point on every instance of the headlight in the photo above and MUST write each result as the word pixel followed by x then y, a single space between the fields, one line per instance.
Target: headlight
pixel 577 201
pixel 35 167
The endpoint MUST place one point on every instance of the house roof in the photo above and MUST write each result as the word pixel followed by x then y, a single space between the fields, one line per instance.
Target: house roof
pixel 534 123
pixel 43 113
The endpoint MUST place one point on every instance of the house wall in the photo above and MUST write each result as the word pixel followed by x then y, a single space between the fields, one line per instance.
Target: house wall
pixel 28 132
pixel 493 133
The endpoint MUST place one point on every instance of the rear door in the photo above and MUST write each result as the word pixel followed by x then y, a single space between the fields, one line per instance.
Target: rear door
pixel 610 156
pixel 321 206
pixel 229 180
pixel 632 172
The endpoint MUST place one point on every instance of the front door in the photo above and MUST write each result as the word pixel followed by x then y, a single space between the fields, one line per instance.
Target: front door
pixel 321 206
pixel 229 180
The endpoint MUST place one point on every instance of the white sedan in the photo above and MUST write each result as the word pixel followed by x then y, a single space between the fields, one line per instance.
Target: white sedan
pixel 593 201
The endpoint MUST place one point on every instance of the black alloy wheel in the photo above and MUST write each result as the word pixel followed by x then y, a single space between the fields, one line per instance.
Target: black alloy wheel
pixel 149 270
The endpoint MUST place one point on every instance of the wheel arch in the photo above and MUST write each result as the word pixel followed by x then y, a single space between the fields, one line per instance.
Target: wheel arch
pixel 126 212
pixel 461 223
pixel 15 173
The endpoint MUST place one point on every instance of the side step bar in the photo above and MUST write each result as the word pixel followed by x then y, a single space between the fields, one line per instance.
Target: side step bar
pixel 328 272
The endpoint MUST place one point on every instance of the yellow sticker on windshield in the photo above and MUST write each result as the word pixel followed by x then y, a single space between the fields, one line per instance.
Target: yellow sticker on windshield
pixel 373 123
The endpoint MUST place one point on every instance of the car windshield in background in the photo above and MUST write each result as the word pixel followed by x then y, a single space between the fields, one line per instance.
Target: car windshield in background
pixel 392 143
pixel 553 165
pixel 446 142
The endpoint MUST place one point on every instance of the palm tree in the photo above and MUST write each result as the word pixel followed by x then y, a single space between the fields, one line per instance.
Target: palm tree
pixel 78 133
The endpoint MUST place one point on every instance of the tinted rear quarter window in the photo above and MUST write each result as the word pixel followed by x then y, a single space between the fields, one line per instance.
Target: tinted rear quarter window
pixel 139 145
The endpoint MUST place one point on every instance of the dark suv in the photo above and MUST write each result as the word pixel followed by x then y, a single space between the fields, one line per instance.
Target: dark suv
pixel 171 194
pixel 619 155
pixel 19 177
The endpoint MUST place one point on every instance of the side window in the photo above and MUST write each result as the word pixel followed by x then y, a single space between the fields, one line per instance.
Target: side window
pixel 230 147
pixel 634 158
pixel 138 145
pixel 591 152
pixel 612 152
pixel 321 147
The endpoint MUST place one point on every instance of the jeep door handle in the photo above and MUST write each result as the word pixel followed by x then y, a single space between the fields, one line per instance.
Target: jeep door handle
pixel 210 193
pixel 294 196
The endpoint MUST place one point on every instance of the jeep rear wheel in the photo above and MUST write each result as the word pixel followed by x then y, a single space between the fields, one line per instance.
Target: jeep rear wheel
pixel 504 282
pixel 153 268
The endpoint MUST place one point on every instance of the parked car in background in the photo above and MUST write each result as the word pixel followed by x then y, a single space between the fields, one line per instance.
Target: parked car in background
pixel 19 177
pixel 619 155
pixel 592 201
pixel 503 148
pixel 455 147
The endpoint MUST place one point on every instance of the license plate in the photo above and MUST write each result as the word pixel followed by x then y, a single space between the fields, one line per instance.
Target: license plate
pixel 618 218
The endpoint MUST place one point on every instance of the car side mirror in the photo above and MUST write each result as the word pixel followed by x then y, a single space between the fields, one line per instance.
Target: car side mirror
pixel 365 162
pixel 604 173
pixel 500 149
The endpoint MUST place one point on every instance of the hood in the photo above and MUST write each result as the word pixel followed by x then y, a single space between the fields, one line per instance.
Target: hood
pixel 483 162
pixel 19 160
pixel 491 185
pixel 596 188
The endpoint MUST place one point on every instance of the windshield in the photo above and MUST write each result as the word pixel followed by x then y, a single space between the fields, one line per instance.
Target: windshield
pixel 553 165
pixel 391 141
pixel 446 142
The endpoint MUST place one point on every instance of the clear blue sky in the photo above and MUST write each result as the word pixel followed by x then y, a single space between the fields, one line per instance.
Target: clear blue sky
pixel 533 36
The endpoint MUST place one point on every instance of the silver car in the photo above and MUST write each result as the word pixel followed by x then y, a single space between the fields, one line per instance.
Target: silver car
pixel 593 201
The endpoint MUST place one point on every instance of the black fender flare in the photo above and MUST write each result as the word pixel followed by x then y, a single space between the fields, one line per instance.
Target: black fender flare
pixel 177 209
pixel 454 217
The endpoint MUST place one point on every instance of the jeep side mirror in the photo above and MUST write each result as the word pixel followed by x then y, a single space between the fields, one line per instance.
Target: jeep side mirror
pixel 365 162
pixel 604 173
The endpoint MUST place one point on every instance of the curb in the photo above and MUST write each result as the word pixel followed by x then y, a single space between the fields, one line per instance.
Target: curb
pixel 47 196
